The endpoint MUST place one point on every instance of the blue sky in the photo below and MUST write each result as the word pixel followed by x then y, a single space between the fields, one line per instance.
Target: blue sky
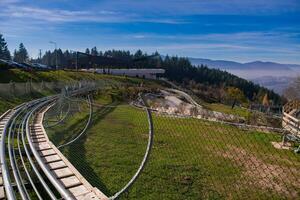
pixel 239 30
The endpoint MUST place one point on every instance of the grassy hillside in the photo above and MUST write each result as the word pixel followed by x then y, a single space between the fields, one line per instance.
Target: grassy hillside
pixel 191 158
pixel 9 99
pixel 227 109
pixel 17 75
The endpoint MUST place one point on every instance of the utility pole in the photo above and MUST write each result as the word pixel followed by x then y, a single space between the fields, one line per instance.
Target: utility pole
pixel 55 45
pixel 40 55
pixel 76 60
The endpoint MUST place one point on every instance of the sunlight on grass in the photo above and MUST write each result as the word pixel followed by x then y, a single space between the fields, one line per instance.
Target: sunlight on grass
pixel 191 158
pixel 227 109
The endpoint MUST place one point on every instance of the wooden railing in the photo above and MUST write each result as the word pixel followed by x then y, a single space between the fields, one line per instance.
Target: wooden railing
pixel 290 122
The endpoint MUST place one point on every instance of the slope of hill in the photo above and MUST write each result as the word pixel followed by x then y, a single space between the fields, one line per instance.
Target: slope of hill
pixel 220 64
pixel 278 84
pixel 190 159
pixel 178 69
pixel 274 76
pixel 17 86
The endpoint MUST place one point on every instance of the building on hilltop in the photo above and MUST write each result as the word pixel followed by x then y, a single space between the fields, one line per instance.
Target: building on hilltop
pixel 140 73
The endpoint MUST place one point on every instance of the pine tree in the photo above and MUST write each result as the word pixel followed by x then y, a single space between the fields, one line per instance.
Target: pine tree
pixel 60 57
pixel 21 55
pixel 87 51
pixel 15 55
pixel 4 52
pixel 23 52
pixel 138 54
pixel 94 51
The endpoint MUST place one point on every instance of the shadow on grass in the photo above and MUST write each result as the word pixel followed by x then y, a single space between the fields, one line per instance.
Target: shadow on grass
pixel 76 152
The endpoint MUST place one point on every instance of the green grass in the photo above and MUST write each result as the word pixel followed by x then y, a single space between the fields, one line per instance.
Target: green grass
pixel 9 103
pixel 17 75
pixel 191 158
pixel 227 109
pixel 8 100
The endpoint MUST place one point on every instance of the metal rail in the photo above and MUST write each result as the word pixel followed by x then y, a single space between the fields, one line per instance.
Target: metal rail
pixel 146 155
pixel 86 126
pixel 44 184
pixel 5 171
pixel 13 159
pixel 65 194
pixel 3 119
pixel 8 132
pixel 61 120
pixel 23 162
pixel 18 129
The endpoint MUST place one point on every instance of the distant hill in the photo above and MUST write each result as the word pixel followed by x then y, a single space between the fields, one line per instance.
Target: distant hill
pixel 278 84
pixel 272 75
pixel 258 65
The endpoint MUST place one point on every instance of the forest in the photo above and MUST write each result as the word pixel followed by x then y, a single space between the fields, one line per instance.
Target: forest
pixel 179 69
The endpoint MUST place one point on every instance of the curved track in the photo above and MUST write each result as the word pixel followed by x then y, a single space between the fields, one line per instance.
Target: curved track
pixel 33 168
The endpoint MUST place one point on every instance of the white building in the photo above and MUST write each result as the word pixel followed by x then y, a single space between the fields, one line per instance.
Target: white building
pixel 141 73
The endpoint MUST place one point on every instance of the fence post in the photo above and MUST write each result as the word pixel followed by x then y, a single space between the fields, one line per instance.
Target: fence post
pixel 42 86
pixel 12 88
pixel 29 85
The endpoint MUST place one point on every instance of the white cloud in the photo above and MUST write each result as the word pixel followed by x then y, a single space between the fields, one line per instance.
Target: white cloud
pixel 246 38
pixel 198 7
pixel 139 36
pixel 55 15
pixel 6 2
pixel 27 13
pixel 31 21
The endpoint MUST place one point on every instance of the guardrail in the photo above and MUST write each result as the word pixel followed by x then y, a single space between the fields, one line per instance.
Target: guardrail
pixel 289 120
pixel 24 126
pixel 15 125
pixel 146 155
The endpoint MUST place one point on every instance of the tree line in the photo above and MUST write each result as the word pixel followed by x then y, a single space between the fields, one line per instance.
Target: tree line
pixel 178 69
pixel 20 55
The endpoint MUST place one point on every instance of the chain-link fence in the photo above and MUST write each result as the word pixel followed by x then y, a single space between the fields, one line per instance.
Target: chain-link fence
pixel 20 89
pixel 13 89
pixel 195 154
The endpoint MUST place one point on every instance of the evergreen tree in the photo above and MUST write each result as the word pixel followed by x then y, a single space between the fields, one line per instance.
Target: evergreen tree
pixel 60 58
pixel 67 59
pixel 87 51
pixel 138 54
pixel 4 52
pixel 177 69
pixel 47 58
pixel 94 51
pixel 21 55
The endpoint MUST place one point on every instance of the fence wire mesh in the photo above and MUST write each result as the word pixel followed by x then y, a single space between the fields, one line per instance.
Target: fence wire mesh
pixel 196 153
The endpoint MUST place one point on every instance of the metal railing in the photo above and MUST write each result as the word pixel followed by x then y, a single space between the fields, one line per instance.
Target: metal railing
pixel 202 143
pixel 16 126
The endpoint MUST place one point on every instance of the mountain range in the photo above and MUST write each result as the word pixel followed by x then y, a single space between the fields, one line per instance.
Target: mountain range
pixel 224 64
pixel 272 75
